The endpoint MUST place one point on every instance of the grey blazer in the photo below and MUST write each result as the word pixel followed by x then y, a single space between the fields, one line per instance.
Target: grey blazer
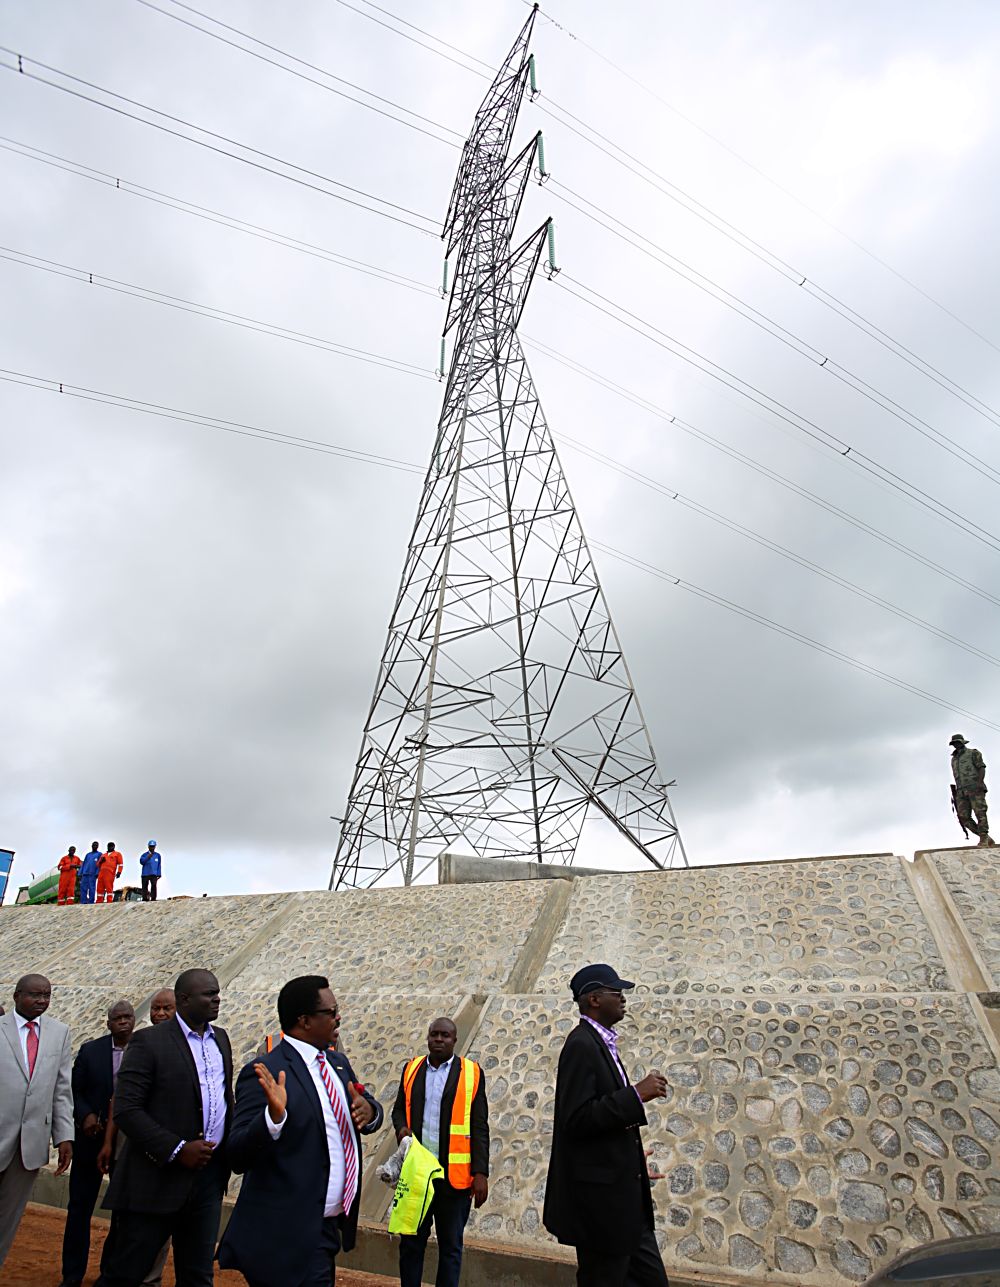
pixel 33 1113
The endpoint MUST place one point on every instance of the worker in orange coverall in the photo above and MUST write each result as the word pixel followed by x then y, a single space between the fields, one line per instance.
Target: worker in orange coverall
pixel 69 865
pixel 109 868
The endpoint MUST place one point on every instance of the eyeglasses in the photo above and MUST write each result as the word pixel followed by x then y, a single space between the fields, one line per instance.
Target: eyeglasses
pixel 612 992
pixel 334 1014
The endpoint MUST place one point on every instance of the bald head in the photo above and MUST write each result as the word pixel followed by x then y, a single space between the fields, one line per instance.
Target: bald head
pixel 163 1006
pixel 441 1038
pixel 32 995
pixel 121 1022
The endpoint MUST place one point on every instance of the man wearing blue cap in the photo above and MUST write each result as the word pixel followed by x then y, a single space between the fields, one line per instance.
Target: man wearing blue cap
pixel 597 1196
pixel 150 864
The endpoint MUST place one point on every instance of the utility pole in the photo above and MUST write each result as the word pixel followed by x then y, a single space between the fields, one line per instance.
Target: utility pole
pixel 504 712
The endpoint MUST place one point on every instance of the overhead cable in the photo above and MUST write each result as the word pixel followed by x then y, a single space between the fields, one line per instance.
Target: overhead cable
pixel 703 212
pixel 638 240
pixel 758 467
pixel 723 520
pixel 828 650
pixel 232 222
pixel 254 53
pixel 818 214
pixel 200 419
pixel 252 433
pixel 210 311
pixel 20 69
pixel 752 393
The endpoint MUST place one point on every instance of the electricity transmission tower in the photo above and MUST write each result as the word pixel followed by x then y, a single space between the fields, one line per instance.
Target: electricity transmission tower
pixel 504 711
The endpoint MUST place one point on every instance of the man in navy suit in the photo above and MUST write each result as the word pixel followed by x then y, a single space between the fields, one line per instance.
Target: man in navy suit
pixel 95 1071
pixel 296 1137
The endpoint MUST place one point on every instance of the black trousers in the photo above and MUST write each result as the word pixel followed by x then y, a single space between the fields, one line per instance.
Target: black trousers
pixel 194 1228
pixel 84 1185
pixel 643 1268
pixel 449 1211
pixel 149 888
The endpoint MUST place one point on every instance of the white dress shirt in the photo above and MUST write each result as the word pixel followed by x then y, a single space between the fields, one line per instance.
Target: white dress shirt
pixel 211 1080
pixel 437 1079
pixel 22 1032
pixel 335 1145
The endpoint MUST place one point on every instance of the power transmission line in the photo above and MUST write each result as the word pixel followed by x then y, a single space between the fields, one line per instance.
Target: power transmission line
pixel 758 467
pixel 768 179
pixel 158 410
pixel 176 17
pixel 809 427
pixel 210 311
pixel 804 348
pixel 676 264
pixel 235 224
pixel 790 633
pixel 201 420
pixel 723 520
pixel 21 70
pixel 703 212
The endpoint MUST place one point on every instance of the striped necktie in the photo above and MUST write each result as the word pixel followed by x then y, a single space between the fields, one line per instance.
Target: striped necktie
pixel 346 1134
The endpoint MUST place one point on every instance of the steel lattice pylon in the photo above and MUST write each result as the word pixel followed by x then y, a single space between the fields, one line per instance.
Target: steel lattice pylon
pixel 504 709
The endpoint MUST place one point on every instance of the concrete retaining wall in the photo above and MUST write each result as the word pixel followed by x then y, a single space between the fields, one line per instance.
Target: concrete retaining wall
pixel 825 1026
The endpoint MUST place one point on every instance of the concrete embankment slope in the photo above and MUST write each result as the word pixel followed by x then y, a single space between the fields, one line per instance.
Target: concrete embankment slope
pixel 826 1027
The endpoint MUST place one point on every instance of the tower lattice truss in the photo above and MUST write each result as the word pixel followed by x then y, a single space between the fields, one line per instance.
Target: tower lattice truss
pixel 504 712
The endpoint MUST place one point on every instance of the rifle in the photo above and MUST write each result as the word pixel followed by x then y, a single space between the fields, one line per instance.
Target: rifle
pixel 954 809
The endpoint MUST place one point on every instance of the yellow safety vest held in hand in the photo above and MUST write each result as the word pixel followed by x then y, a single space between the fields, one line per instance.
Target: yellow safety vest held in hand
pixel 459 1170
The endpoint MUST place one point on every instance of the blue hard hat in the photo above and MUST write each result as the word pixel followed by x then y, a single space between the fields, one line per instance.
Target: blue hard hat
pixel 153 843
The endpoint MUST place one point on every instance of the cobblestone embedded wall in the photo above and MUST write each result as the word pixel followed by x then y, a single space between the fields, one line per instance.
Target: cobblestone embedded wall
pixel 842 925
pixel 430 939
pixel 143 946
pixel 30 936
pixel 817 1136
pixel 972 877
pixel 832 1100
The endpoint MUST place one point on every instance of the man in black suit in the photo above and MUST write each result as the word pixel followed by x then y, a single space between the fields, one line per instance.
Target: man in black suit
pixel 597 1197
pixel 441 1101
pixel 173 1104
pixel 95 1071
pixel 296 1132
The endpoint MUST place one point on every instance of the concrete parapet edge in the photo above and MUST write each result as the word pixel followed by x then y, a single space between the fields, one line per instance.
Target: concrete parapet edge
pixel 485 1264
pixel 962 958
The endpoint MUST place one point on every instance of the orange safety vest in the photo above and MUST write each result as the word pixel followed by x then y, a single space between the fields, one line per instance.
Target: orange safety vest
pixel 459 1164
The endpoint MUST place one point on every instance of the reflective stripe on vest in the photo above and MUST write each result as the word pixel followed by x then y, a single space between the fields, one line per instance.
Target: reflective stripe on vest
pixel 459 1165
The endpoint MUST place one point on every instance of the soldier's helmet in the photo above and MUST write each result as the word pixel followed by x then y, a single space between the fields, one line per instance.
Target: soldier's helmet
pixel 959 740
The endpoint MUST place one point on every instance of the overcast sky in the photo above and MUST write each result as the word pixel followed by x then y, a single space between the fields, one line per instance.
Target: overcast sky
pixel 192 619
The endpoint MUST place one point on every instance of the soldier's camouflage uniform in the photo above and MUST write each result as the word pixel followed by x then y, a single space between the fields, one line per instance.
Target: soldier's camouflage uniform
pixel 969 771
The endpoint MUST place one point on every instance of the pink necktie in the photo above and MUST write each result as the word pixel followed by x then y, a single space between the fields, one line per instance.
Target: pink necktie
pixel 32 1045
pixel 346 1135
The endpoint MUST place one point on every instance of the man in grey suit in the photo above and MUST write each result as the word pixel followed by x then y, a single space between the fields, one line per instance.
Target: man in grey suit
pixel 36 1099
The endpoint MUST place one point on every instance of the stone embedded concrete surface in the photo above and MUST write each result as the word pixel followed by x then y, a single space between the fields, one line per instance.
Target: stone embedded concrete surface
pixel 142 946
pixel 972 877
pixel 819 1136
pixel 841 925
pixel 424 939
pixel 30 936
pixel 833 1099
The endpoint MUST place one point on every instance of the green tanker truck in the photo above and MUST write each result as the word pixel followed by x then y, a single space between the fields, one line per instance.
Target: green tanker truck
pixel 42 889
pixel 45 889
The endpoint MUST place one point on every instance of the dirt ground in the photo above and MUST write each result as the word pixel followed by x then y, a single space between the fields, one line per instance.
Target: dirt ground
pixel 35 1258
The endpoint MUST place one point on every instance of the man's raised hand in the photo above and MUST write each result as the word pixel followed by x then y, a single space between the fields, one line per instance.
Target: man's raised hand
pixel 361 1110
pixel 274 1092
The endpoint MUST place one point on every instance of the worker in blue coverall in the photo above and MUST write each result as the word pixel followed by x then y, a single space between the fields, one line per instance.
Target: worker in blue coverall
pixel 88 874
pixel 150 863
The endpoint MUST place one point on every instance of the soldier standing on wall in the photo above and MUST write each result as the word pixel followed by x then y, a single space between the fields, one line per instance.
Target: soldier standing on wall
pixel 969 790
